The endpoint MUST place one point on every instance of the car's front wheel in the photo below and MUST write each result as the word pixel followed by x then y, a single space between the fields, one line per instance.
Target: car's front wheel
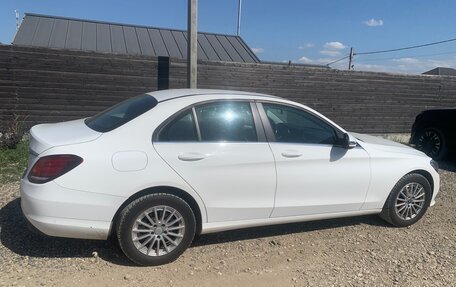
pixel 156 229
pixel 408 201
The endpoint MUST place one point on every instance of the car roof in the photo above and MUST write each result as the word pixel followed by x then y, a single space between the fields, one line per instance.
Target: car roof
pixel 165 95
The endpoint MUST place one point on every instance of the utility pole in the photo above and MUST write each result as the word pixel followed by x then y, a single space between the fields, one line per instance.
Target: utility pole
pixel 239 18
pixel 192 44
pixel 350 59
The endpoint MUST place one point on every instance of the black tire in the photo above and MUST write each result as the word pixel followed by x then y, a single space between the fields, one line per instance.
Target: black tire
pixel 128 219
pixel 390 213
pixel 432 142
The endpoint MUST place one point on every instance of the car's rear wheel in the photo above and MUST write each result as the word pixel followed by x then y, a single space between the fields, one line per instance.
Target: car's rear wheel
pixel 156 229
pixel 432 142
pixel 408 201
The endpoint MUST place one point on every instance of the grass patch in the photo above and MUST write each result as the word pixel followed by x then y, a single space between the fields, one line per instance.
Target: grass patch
pixel 13 162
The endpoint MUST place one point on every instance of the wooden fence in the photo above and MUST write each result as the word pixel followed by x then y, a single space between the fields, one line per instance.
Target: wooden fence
pixel 45 85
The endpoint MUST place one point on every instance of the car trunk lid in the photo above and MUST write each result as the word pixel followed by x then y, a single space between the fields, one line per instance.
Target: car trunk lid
pixel 46 136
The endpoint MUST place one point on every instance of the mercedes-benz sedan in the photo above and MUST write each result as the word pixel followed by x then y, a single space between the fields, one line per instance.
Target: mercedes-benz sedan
pixel 160 168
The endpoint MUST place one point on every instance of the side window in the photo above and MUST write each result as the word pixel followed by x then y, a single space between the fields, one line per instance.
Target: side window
pixel 226 121
pixel 294 125
pixel 181 129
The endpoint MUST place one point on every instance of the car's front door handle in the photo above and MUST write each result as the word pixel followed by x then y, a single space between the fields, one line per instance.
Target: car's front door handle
pixel 191 156
pixel 291 153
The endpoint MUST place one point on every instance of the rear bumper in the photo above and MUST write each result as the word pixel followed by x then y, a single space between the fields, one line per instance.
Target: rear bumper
pixel 61 212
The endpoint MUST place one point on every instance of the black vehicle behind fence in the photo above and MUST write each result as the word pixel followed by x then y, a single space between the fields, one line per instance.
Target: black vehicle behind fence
pixel 434 132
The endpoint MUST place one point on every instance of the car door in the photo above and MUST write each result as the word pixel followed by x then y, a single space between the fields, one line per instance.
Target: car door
pixel 314 174
pixel 220 150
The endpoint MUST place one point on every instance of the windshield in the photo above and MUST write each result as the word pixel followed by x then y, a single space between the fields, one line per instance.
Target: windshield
pixel 121 113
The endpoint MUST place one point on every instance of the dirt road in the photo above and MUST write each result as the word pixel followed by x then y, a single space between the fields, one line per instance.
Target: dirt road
pixel 362 251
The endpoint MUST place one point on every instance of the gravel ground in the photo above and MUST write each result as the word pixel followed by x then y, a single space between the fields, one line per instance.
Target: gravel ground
pixel 360 251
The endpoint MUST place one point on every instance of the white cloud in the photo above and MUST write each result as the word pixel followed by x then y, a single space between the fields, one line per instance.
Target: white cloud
pixel 407 65
pixel 334 46
pixel 330 53
pixel 407 61
pixel 258 50
pixel 305 60
pixel 332 49
pixel 306 46
pixel 373 23
pixel 414 65
pixel 319 61
pixel 373 68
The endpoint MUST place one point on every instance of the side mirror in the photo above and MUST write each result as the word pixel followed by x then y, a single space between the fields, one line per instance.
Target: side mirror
pixel 349 142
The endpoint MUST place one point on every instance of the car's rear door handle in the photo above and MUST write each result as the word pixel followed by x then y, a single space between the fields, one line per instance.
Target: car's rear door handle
pixel 291 153
pixel 191 156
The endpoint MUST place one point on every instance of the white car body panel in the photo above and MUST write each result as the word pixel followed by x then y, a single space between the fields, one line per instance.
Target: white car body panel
pixel 59 211
pixel 83 202
pixel 389 162
pixel 301 189
pixel 45 136
pixel 244 173
pixel 230 225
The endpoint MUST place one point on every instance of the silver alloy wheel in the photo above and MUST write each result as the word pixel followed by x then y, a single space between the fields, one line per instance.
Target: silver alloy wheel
pixel 410 201
pixel 158 230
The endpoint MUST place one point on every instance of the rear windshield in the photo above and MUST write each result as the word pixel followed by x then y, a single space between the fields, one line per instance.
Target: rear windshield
pixel 121 113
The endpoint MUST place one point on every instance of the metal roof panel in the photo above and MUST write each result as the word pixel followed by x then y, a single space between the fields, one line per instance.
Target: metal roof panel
pixel 218 48
pixel 103 38
pixel 131 41
pixel 181 42
pixel 246 57
pixel 88 35
pixel 27 31
pixel 207 47
pixel 43 32
pixel 171 44
pixel 144 42
pixel 59 32
pixel 201 54
pixel 74 35
pixel 229 49
pixel 157 42
pixel 117 39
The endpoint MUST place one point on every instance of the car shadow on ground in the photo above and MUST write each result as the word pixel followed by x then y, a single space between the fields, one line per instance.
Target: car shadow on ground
pixel 448 164
pixel 289 228
pixel 16 236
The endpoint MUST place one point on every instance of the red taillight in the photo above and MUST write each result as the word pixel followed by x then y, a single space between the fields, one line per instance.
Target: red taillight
pixel 50 167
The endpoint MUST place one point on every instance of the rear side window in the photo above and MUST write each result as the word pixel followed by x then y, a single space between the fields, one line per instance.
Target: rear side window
pixel 181 129
pixel 226 121
pixel 121 113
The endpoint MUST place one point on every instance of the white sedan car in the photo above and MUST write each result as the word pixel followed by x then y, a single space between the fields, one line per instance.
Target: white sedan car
pixel 160 168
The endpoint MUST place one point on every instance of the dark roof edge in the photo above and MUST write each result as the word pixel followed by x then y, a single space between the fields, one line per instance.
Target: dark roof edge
pixel 120 24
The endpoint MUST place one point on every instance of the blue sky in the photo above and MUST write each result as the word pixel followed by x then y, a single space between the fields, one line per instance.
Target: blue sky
pixel 305 31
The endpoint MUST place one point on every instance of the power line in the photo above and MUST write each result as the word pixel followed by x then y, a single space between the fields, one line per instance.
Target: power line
pixel 392 50
pixel 406 48
pixel 414 56
pixel 338 60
